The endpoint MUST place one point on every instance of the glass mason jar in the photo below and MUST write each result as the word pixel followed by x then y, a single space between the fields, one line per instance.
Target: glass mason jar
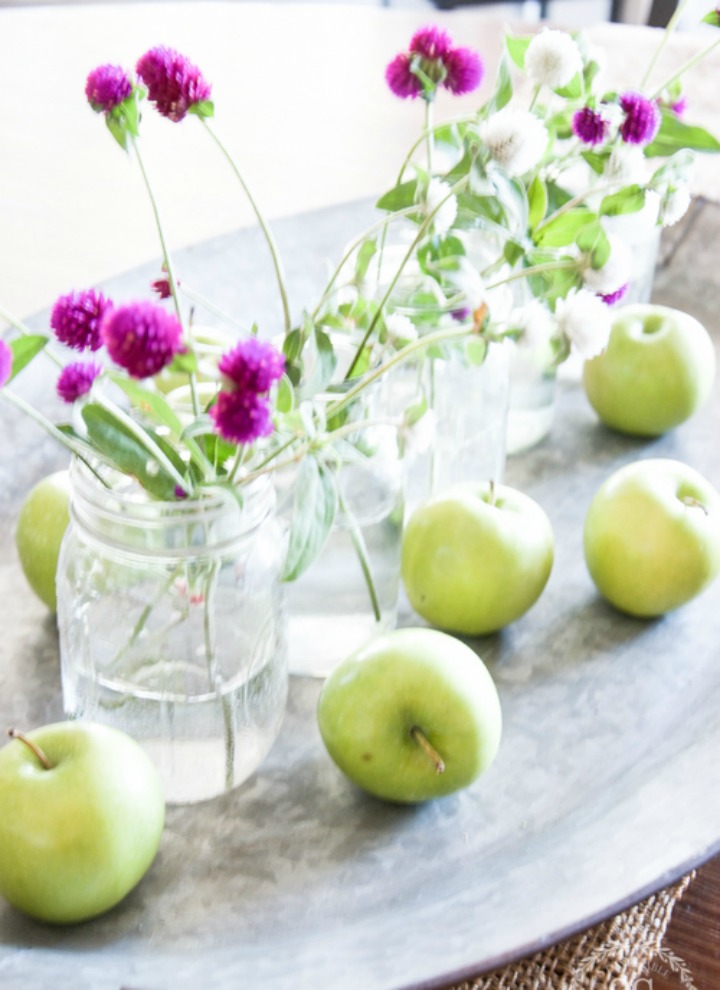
pixel 466 390
pixel 172 627
pixel 349 594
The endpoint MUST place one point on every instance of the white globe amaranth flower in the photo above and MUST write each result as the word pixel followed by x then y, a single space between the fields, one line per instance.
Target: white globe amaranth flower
pixel 674 205
pixel 516 139
pixel 626 166
pixel 437 191
pixel 552 59
pixel 534 322
pixel 401 328
pixel 616 272
pixel 585 321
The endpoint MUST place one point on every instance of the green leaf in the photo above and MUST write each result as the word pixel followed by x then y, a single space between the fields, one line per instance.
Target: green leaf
pixel 400 197
pixel 516 48
pixel 118 131
pixel 628 200
pixel 185 364
pixel 203 108
pixel 589 73
pixel 285 401
pixel 538 201
pixel 596 160
pixel 152 402
pixel 24 349
pixel 364 256
pixel 503 88
pixel 573 90
pixel 674 135
pixel 476 350
pixel 512 251
pixel 327 359
pixel 712 18
pixel 594 241
pixel 119 446
pixel 314 510
pixel 677 168
pixel 293 345
pixel 563 229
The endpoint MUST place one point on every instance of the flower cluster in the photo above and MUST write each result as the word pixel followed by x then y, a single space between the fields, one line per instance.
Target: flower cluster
pixel 242 411
pixel 529 193
pixel 433 60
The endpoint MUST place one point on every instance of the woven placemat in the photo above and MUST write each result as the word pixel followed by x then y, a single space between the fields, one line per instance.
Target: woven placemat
pixel 611 956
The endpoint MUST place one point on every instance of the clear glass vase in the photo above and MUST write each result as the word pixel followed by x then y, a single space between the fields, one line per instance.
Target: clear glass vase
pixel 466 393
pixel 349 594
pixel 172 625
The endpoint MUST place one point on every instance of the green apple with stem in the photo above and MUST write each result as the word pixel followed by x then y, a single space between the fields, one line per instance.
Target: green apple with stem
pixel 41 525
pixel 413 715
pixel 657 370
pixel 476 557
pixel 652 536
pixel 81 816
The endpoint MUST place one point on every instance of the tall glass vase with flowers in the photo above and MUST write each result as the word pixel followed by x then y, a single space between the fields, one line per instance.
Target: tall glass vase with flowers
pixel 541 184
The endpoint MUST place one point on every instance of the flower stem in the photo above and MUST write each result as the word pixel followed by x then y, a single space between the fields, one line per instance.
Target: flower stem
pixel 430 137
pixel 685 67
pixel 358 543
pixel 535 95
pixel 548 266
pixel 464 119
pixel 169 267
pixel 670 28
pixel 50 429
pixel 261 220
pixel 424 226
pixel 142 437
pixel 381 224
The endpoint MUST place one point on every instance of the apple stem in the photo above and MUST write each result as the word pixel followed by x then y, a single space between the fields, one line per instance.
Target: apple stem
pixel 16 734
pixel 493 496
pixel 694 503
pixel 426 746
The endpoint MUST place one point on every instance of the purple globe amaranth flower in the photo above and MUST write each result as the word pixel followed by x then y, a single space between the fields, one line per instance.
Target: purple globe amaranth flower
pixel 242 417
pixel 174 84
pixel 642 119
pixel 431 42
pixel 401 79
pixel 142 338
pixel 161 286
pixel 107 87
pixel 465 71
pixel 6 360
pixel 252 366
pixel 679 107
pixel 610 298
pixel 76 319
pixel 590 126
pixel 75 380
pixel 431 61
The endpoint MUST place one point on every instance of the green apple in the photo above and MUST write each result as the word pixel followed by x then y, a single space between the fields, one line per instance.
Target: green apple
pixel 41 525
pixel 413 715
pixel 81 815
pixel 476 557
pixel 657 370
pixel 652 536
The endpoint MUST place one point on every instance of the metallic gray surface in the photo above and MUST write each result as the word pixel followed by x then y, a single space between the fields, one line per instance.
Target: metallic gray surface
pixel 606 786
